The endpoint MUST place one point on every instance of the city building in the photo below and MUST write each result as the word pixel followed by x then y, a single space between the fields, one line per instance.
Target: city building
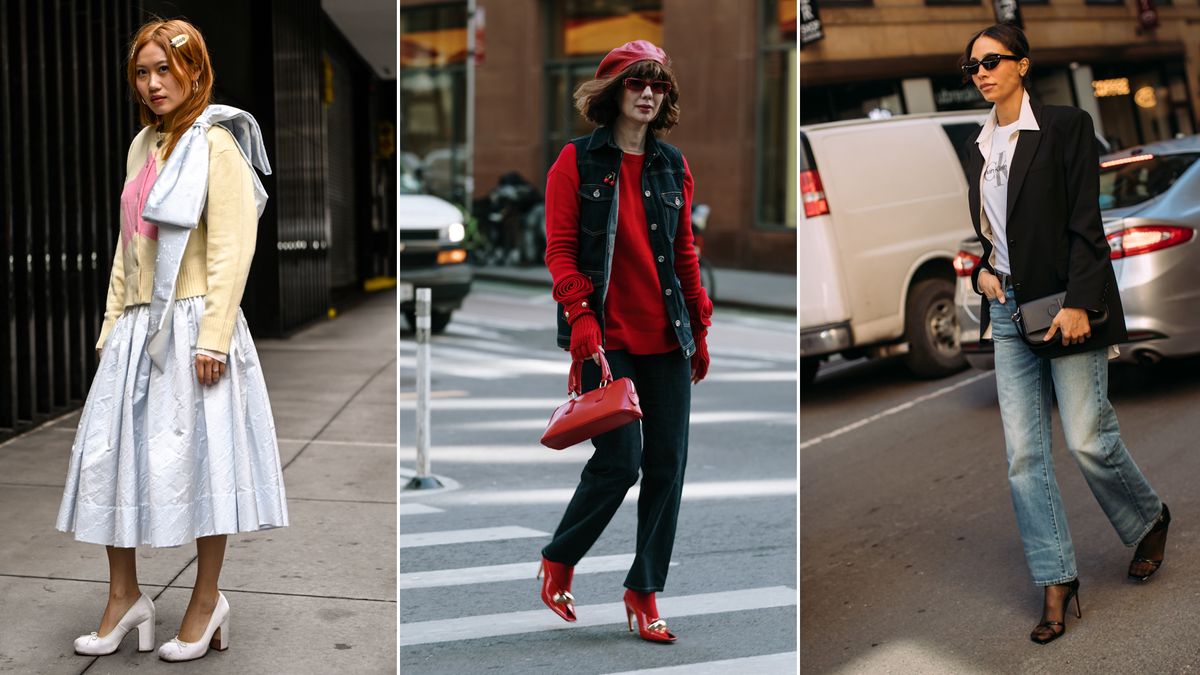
pixel 1133 65
pixel 735 61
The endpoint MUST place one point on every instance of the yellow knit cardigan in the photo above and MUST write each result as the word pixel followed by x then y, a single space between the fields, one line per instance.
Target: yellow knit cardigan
pixel 217 258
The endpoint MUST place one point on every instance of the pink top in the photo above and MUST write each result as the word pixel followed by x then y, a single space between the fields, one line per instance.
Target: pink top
pixel 133 202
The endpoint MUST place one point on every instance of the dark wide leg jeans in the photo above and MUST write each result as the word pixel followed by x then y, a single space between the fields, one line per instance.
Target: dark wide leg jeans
pixel 657 444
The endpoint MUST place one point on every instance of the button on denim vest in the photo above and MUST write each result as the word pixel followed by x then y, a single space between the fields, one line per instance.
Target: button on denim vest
pixel 598 158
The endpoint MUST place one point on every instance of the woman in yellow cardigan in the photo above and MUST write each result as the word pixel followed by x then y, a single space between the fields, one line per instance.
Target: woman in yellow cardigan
pixel 176 442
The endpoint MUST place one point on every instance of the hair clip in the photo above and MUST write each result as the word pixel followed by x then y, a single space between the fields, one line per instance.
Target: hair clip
pixel 179 41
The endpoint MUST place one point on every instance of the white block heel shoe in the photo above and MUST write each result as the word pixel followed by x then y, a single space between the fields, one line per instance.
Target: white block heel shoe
pixel 139 616
pixel 216 635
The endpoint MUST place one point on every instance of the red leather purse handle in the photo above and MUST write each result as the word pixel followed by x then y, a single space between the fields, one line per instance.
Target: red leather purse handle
pixel 575 378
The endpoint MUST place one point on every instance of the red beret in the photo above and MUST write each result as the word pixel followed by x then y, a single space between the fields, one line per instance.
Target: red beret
pixel 627 54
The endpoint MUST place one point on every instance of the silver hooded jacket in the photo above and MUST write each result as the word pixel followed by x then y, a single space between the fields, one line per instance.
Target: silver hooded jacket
pixel 177 200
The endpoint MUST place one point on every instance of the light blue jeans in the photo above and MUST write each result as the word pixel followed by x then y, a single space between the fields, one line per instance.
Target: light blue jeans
pixel 1025 383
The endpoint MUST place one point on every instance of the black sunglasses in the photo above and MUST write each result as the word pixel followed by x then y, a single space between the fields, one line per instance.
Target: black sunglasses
pixel 989 62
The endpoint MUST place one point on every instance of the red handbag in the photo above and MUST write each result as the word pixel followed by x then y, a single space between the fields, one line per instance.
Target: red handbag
pixel 602 409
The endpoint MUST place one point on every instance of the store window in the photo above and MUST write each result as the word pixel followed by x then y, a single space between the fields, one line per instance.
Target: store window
pixel 581 33
pixel 433 89
pixel 593 27
pixel 951 93
pixel 1142 102
pixel 853 100
pixel 778 178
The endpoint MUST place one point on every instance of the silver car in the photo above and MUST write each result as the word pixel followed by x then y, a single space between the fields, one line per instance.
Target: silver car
pixel 1150 203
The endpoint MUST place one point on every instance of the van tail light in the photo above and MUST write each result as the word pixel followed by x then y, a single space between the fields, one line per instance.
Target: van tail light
pixel 814 194
pixel 1146 238
pixel 964 263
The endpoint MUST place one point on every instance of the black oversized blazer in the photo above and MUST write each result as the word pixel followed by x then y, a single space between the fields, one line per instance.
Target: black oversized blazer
pixel 1055 234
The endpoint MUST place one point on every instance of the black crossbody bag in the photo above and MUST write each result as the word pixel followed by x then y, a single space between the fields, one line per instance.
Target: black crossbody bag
pixel 1033 318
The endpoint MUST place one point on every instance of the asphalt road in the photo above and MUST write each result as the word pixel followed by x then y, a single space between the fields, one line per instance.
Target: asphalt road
pixel 468 554
pixel 910 558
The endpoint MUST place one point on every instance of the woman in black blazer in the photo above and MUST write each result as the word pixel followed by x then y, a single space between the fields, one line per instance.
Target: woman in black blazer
pixel 1034 197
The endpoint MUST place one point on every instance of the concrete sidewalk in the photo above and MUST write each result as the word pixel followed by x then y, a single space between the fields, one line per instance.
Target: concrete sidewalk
pixel 316 597
pixel 762 291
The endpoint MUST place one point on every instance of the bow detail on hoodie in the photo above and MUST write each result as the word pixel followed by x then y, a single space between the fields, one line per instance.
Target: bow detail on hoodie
pixel 177 200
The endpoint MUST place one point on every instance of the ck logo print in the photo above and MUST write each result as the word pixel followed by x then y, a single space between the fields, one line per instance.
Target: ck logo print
pixel 997 171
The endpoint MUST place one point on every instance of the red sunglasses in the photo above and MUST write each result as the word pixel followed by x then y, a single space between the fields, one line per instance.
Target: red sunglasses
pixel 638 84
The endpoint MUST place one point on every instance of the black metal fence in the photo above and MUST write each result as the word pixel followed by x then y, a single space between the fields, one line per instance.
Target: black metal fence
pixel 65 119
pixel 301 289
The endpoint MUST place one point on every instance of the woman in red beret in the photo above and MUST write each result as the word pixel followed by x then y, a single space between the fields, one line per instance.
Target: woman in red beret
pixel 627 280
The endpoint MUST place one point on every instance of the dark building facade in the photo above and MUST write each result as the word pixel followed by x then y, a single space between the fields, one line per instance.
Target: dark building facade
pixel 67 119
pixel 1139 79
pixel 735 61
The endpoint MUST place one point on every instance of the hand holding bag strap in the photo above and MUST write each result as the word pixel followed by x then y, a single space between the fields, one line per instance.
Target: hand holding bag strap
pixel 606 376
pixel 575 377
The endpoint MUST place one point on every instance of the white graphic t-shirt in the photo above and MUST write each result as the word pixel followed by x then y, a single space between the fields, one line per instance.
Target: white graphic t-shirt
pixel 995 190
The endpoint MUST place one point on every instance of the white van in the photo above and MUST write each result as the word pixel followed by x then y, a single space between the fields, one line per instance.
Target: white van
pixel 885 207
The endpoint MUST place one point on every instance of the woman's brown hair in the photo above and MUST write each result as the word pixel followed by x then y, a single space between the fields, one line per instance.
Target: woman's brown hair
pixel 189 63
pixel 600 100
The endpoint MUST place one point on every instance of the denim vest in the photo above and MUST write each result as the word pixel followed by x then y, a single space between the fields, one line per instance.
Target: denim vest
pixel 598 157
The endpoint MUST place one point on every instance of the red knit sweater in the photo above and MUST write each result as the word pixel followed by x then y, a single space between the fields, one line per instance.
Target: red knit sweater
pixel 635 313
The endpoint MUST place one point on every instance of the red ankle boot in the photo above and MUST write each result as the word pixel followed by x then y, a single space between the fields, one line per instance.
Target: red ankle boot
pixel 641 606
pixel 556 588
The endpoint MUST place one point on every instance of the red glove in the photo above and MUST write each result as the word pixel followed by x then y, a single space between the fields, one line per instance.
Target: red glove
pixel 585 337
pixel 700 313
pixel 700 359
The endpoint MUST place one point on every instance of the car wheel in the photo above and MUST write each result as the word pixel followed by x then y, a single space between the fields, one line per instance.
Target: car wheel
pixel 438 322
pixel 808 370
pixel 931 326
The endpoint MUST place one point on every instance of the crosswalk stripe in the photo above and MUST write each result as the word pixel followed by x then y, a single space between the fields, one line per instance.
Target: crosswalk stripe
pixel 547 404
pixel 754 376
pixel 767 664
pixel 468 536
pixel 487 343
pixel 511 572
pixel 691 491
pixel 444 351
pixel 739 362
pixel 493 321
pixel 493 454
pixel 513 623
pixel 483 347
pixel 489 369
pixel 418 509
pixel 716 417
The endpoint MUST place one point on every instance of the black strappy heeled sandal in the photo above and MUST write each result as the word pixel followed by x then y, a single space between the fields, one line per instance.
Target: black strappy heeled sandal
pixel 1140 559
pixel 1046 631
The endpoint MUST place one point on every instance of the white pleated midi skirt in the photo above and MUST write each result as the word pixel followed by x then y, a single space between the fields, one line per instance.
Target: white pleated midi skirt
pixel 160 459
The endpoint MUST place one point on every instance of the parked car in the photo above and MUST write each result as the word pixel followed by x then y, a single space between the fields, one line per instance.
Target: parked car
pixel 885 206
pixel 1150 205
pixel 432 256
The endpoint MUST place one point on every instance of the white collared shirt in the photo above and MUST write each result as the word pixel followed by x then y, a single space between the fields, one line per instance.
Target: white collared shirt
pixel 997 145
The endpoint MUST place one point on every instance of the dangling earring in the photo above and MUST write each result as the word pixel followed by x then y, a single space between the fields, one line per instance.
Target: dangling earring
pixel 195 86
